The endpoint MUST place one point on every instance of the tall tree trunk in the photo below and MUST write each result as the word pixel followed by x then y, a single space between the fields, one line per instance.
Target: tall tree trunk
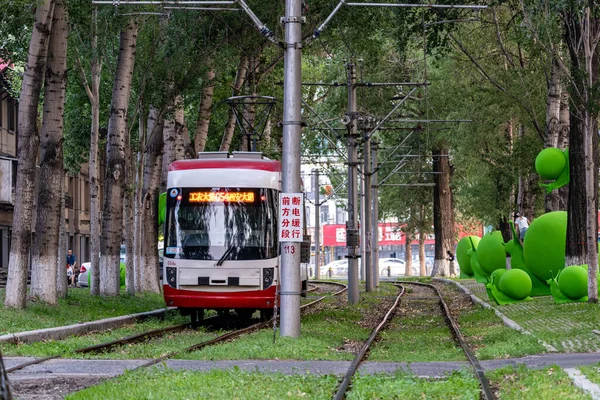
pixel 553 125
pixel 92 89
pixel 205 110
pixel 112 217
pixel 63 242
pixel 173 136
pixel 28 141
pixel 128 215
pixel 408 238
pixel 137 237
pixel 563 143
pixel 582 28
pixel 443 213
pixel 52 176
pixel 527 188
pixel 240 78
pixel 152 177
pixel 422 229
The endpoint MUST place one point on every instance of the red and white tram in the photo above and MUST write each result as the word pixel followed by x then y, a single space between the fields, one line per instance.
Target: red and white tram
pixel 221 247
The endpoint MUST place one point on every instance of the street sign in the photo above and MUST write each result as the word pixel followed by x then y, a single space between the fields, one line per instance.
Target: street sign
pixel 291 217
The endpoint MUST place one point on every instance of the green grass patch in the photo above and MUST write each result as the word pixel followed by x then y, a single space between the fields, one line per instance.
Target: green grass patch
pixel 592 372
pixel 333 333
pixel 458 385
pixel 421 338
pixel 520 383
pixel 79 306
pixel 164 383
pixel 151 348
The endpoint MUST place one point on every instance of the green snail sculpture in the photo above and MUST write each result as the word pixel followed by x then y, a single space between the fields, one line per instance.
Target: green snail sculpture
pixel 553 164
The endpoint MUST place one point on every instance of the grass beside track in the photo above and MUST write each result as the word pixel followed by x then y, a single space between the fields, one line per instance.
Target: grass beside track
pixel 66 346
pixel 520 383
pixel 333 333
pixel 163 383
pixel 79 306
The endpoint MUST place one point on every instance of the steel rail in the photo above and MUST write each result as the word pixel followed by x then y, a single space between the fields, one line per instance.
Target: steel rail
pixel 228 335
pixel 485 385
pixel 341 392
pixel 157 332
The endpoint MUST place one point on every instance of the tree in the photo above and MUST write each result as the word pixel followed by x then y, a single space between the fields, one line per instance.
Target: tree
pixel 49 213
pixel 112 217
pixel 16 284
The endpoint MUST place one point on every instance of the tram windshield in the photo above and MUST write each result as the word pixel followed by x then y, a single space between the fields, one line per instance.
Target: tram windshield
pixel 221 224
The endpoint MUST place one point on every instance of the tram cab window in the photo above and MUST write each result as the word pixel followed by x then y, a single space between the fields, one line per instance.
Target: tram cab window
pixel 207 230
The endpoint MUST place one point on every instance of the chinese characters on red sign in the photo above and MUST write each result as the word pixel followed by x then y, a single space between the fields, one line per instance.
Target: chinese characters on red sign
pixel 291 217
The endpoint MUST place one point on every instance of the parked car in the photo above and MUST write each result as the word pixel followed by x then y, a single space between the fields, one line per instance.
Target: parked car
pixel 338 267
pixel 83 279
pixel 394 267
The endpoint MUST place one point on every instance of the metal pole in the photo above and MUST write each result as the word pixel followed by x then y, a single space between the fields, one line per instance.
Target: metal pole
pixel 317 226
pixel 290 262
pixel 351 225
pixel 370 272
pixel 364 276
pixel 375 219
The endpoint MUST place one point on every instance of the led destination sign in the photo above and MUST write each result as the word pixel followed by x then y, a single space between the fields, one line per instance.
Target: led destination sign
pixel 221 197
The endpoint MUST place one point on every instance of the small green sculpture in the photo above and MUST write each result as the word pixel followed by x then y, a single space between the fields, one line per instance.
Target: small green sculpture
pixel 512 286
pixel 570 285
pixel 463 255
pixel 553 164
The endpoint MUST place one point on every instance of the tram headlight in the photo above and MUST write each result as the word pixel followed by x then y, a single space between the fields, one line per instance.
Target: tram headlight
pixel 268 274
pixel 172 276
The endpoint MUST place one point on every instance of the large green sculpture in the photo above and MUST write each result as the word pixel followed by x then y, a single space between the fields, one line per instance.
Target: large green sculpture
pixel 553 164
pixel 544 245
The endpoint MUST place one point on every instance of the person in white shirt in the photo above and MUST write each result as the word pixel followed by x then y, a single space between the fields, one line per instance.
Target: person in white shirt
pixel 522 223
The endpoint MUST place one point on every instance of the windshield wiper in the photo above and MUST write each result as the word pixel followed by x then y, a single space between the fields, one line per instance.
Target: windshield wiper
pixel 225 255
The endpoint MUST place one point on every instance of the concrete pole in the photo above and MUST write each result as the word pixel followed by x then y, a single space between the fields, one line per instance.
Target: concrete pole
pixel 290 168
pixel 352 225
pixel 375 218
pixel 370 272
pixel 317 225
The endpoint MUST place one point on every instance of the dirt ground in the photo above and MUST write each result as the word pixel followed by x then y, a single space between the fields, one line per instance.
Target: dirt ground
pixel 50 388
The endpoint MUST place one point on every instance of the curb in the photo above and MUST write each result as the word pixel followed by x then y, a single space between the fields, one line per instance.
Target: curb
pixel 582 382
pixel 62 332
pixel 507 321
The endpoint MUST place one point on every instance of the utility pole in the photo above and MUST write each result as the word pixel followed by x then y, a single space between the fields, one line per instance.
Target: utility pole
pixel 351 226
pixel 361 195
pixel 370 272
pixel 317 225
pixel 290 166
pixel 375 219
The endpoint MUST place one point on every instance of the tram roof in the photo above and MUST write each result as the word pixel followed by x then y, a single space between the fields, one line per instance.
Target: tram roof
pixel 229 163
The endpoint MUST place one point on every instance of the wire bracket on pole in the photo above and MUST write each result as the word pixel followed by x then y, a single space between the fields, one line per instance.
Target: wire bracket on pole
pixel 290 293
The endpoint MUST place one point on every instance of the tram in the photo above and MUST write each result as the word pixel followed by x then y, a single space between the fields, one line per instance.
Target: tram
pixel 221 247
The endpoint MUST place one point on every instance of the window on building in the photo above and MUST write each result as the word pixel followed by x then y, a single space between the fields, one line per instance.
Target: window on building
pixel 11 115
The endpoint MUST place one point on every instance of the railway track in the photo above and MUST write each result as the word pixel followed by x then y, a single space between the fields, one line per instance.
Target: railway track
pixel 155 333
pixel 486 392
